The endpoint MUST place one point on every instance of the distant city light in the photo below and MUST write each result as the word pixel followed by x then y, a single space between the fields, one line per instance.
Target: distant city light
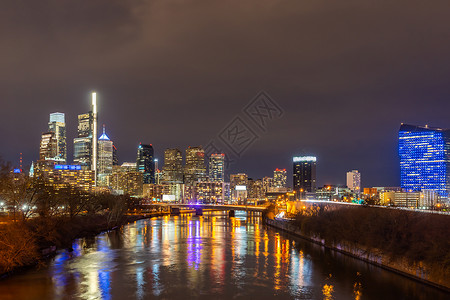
pixel 67 167
pixel 241 188
pixel 304 158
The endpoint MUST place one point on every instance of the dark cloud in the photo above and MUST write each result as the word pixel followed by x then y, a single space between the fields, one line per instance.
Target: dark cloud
pixel 174 73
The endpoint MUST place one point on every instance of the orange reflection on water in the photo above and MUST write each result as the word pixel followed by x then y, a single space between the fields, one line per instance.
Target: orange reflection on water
pixel 327 291
pixel 357 290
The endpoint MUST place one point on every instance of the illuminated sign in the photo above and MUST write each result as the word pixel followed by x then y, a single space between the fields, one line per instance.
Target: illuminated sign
pixel 67 167
pixel 17 171
pixel 304 159
pixel 240 188
pixel 168 197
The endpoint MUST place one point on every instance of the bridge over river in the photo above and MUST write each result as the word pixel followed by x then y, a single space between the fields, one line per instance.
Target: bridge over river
pixel 175 208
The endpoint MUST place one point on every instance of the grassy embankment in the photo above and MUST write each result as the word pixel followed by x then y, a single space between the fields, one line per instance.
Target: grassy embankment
pixel 400 234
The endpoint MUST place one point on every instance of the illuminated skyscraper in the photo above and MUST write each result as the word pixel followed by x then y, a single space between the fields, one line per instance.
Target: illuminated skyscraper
pixel 85 145
pixel 216 167
pixel 354 181
pixel 105 159
pixel 82 145
pixel 304 174
pixel 48 148
pixel 145 163
pixel 424 159
pixel 195 169
pixel 279 178
pixel 94 136
pixel 85 125
pixel 57 125
pixel 173 166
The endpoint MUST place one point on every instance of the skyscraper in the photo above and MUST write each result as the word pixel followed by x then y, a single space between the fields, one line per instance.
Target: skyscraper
pixel 145 163
pixel 115 157
pixel 94 136
pixel 354 181
pixel 105 159
pixel 424 159
pixel 195 168
pixel 279 178
pixel 48 147
pixel 173 166
pixel 57 125
pixel 85 145
pixel 82 152
pixel 216 167
pixel 304 174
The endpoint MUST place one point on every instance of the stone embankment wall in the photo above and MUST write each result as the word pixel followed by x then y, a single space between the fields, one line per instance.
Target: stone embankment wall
pixel 418 270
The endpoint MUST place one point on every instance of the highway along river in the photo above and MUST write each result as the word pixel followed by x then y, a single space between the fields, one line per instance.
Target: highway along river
pixel 210 257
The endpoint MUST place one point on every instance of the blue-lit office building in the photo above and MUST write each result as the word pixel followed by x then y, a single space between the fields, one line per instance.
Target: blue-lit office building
pixel 424 159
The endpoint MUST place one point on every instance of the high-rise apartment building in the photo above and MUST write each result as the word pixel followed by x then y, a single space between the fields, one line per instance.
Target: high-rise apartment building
pixel 105 159
pixel 216 167
pixel 173 166
pixel 57 125
pixel 267 183
pixel 304 173
pixel 279 178
pixel 424 159
pixel 354 181
pixel 145 163
pixel 194 169
pixel 255 189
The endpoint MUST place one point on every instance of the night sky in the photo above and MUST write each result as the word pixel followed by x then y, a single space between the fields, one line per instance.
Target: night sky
pixel 175 73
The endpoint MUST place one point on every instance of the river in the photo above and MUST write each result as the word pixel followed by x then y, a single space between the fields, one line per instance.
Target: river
pixel 209 257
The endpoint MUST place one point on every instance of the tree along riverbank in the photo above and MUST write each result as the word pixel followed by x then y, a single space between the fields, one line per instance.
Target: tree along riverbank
pixel 28 244
pixel 415 244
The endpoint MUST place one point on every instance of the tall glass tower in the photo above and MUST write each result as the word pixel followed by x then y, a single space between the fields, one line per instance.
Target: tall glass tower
pixel 105 159
pixel 145 163
pixel 57 125
pixel 424 158
pixel 82 145
pixel 216 167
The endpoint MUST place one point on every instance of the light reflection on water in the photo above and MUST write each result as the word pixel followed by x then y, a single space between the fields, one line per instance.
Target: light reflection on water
pixel 208 256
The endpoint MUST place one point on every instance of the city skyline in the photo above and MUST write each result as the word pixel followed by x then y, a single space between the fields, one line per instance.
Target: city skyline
pixel 60 117
pixel 351 69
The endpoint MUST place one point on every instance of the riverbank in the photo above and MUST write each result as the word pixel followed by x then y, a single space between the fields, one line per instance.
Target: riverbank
pixel 47 236
pixel 423 272
pixel 31 243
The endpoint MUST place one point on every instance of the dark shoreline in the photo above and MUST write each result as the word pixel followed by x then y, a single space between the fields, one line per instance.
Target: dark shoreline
pixel 50 251
pixel 281 225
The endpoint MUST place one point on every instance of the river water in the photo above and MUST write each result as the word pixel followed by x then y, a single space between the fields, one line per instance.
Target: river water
pixel 209 257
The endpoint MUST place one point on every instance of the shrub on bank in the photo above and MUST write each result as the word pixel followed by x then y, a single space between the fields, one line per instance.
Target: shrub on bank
pixel 399 233
pixel 18 247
